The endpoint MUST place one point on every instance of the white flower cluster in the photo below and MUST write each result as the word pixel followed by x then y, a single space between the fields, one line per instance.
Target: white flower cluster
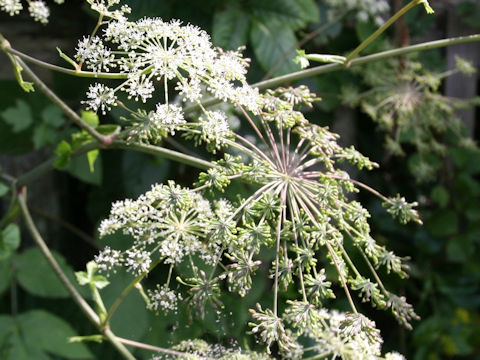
pixel 107 259
pixel 163 299
pixel 100 97
pixel 365 9
pixel 38 9
pixel 169 222
pixel 150 53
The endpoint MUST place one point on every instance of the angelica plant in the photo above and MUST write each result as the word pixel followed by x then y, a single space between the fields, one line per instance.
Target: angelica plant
pixel 301 205
pixel 300 208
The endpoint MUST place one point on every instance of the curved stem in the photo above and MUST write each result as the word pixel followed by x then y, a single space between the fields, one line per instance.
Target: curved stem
pixel 66 109
pixel 79 300
pixel 78 73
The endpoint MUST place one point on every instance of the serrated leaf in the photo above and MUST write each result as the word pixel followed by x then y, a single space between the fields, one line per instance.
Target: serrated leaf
pixel 52 115
pixel 82 277
pixel 9 241
pixel 230 27
pixel 91 118
pixel 293 13
pixel 43 134
pixel 63 152
pixel 18 117
pixel 36 276
pixel 274 46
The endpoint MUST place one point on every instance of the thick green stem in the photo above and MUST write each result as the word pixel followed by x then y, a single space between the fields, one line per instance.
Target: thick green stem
pixel 79 300
pixel 380 30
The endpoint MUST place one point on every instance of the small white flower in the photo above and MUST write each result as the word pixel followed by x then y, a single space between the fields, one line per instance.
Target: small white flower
pixel 12 7
pixel 167 117
pixel 139 87
pixel 100 97
pixel 39 11
pixel 107 259
pixel 93 52
pixel 163 299
pixel 215 127
pixel 394 356
pixel 138 261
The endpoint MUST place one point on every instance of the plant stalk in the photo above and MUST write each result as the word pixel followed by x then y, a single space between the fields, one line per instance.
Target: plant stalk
pixel 84 306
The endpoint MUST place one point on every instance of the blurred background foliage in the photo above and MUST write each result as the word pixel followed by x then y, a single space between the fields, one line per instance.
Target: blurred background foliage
pixel 395 112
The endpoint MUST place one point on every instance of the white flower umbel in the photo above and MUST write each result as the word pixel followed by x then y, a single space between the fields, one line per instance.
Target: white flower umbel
pixel 39 11
pixel 168 118
pixel 100 97
pixel 163 299
pixel 12 7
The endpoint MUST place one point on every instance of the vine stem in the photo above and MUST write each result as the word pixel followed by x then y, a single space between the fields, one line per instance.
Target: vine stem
pixel 79 300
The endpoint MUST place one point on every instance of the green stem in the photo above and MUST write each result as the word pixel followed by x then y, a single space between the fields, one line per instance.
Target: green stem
pixel 66 109
pixel 323 69
pixel 127 290
pixel 87 310
pixel 79 73
pixel 380 30
pixel 157 349
pixel 118 144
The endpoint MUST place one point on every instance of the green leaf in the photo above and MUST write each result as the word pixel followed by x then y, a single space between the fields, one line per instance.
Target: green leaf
pixel 293 13
pixel 230 27
pixel 274 46
pixel 52 115
pixel 89 276
pixel 131 311
pixel 91 118
pixel 34 334
pixel 63 152
pixel 9 241
pixel 36 276
pixel 108 129
pixel 17 70
pixel 44 134
pixel 3 189
pixel 92 156
pixel 80 167
pixel 18 117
